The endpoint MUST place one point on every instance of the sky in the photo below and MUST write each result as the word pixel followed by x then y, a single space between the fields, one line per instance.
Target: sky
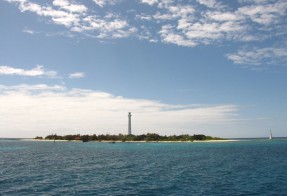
pixel 179 66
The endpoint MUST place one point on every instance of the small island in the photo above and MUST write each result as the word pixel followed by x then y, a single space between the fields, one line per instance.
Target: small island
pixel 149 137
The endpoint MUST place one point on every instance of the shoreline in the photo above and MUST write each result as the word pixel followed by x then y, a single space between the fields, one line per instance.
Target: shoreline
pixel 108 141
pixel 227 140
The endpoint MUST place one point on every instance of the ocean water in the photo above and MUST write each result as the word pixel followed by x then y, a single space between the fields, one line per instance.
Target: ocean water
pixel 257 167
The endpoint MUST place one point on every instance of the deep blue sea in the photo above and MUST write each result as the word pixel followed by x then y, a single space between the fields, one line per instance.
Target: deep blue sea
pixel 255 167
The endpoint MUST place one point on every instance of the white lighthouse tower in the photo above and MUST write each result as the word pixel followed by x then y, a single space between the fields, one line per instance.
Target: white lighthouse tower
pixel 130 124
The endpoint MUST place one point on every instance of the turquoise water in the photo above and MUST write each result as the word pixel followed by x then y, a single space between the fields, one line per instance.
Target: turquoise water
pixel 256 167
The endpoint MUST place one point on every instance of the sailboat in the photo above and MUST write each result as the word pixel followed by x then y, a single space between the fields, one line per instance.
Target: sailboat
pixel 270 136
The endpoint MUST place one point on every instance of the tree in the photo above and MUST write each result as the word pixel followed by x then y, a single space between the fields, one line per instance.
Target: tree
pixel 199 137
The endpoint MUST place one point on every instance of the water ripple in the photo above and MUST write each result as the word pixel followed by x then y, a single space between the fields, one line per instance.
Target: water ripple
pixel 74 168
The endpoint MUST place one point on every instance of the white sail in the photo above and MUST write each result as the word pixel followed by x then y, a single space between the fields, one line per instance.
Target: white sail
pixel 270 136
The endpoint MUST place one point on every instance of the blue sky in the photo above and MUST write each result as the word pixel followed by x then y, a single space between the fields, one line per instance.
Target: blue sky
pixel 189 66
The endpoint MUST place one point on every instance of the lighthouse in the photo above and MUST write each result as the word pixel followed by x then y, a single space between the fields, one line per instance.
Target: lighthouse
pixel 130 124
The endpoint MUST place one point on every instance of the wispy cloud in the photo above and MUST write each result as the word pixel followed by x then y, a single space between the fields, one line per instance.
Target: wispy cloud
pixel 28 31
pixel 67 5
pixel 190 26
pixel 209 23
pixel 102 3
pixel 76 18
pixel 150 2
pixel 256 58
pixel 55 108
pixel 77 75
pixel 264 12
pixel 168 35
pixel 210 3
pixel 38 71
pixel 31 88
pixel 113 27
pixel 200 22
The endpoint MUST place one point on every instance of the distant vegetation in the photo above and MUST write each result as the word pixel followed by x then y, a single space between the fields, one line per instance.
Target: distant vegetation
pixel 144 137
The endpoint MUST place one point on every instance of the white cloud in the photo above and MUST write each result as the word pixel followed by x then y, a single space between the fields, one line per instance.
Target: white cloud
pixel 77 75
pixel 42 109
pixel 194 27
pixel 224 16
pixel 111 28
pixel 67 5
pixel 143 17
pixel 167 34
pixel 75 18
pixel 200 22
pixel 30 88
pixel 165 16
pixel 255 58
pixel 213 27
pixel 208 3
pixel 265 13
pixel 29 31
pixel 102 3
pixel 213 4
pixel 215 22
pixel 65 17
pixel 150 2
pixel 35 72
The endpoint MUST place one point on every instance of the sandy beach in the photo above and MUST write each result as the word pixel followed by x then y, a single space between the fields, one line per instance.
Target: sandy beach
pixel 216 141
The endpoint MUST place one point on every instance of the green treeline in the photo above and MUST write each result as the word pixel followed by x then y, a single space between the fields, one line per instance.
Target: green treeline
pixel 120 137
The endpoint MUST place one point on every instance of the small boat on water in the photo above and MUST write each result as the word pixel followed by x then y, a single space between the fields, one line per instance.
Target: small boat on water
pixel 270 136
